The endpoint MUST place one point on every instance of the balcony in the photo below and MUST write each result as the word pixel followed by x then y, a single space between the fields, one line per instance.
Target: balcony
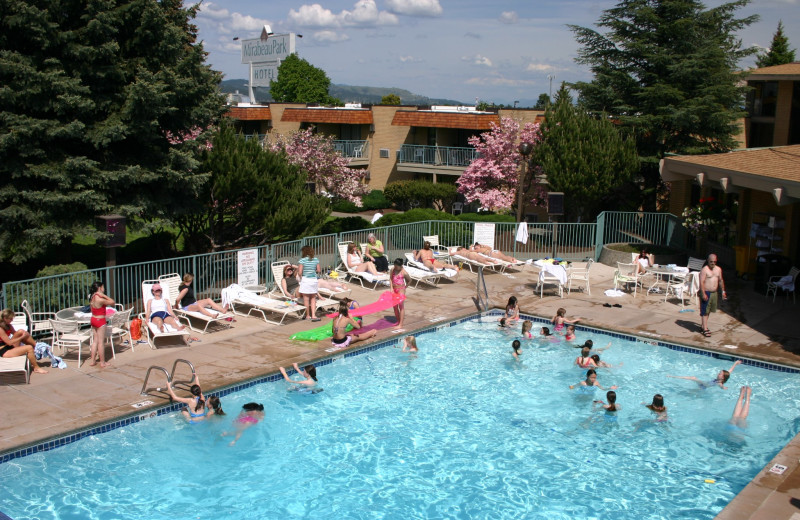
pixel 448 160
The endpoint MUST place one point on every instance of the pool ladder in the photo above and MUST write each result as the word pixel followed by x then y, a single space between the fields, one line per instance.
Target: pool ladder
pixel 482 299
pixel 169 375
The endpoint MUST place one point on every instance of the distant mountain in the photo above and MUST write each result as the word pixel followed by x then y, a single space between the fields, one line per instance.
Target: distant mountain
pixel 345 93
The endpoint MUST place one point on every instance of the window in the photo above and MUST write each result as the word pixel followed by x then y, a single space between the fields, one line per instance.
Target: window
pixel 762 100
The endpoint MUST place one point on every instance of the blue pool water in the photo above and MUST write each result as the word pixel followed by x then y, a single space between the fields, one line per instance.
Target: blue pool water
pixel 458 431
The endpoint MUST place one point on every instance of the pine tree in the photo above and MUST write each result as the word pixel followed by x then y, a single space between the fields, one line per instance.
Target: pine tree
pixel 255 196
pixel 97 102
pixel 779 52
pixel 584 157
pixel 667 69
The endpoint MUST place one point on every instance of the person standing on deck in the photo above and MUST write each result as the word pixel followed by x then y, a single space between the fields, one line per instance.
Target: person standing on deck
pixel 710 283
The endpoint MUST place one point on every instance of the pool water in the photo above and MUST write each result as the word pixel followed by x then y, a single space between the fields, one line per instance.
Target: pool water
pixel 458 431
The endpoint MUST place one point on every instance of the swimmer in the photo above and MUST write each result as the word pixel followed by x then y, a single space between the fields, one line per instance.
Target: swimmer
pixel 657 407
pixel 545 332
pixel 517 352
pixel 720 380
pixel 512 310
pixel 502 324
pixel 601 364
pixel 410 344
pixel 611 406
pixel 590 381
pixel 250 415
pixel 196 409
pixel 527 325
pixel 559 320
pixel 570 334
pixel 738 421
pixel 584 361
pixel 309 373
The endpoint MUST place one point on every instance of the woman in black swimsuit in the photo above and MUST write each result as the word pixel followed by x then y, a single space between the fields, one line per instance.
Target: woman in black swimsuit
pixel 339 328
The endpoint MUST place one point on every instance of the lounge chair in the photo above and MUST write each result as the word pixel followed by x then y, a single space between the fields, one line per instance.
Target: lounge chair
pixel 170 337
pixel 361 277
pixel 506 264
pixel 410 262
pixel 496 265
pixel 16 365
pixel 170 283
pixel 279 294
pixel 247 303
pixel 439 251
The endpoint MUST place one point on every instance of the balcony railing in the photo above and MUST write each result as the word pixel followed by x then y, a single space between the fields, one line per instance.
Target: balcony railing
pixel 354 149
pixel 437 155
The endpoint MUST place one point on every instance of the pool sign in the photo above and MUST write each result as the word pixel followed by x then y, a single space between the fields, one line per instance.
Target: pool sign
pixel 247 267
pixel 264 55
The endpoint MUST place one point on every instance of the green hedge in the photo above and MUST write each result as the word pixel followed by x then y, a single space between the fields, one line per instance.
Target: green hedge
pixel 341 224
pixel 484 217
pixel 414 215
pixel 428 194
pixel 372 201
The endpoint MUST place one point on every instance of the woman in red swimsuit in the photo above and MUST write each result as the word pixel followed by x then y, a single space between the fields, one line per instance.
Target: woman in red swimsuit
pixel 98 302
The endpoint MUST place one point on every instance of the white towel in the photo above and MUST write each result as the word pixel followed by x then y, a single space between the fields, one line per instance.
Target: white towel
pixel 786 283
pixel 522 232
pixel 556 270
pixel 614 293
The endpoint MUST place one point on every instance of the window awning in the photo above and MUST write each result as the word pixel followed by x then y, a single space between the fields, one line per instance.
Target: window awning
pixel 250 113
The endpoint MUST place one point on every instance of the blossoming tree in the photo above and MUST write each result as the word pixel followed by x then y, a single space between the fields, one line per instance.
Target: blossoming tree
pixel 316 155
pixel 494 177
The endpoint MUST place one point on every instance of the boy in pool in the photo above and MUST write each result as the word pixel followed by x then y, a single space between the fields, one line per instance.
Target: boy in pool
pixel 720 380
pixel 250 415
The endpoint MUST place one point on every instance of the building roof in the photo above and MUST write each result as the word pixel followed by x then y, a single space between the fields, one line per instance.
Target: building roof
pixel 762 169
pixel 351 116
pixel 251 113
pixel 430 119
pixel 788 71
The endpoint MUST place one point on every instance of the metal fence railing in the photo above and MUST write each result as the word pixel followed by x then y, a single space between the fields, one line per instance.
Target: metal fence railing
pixel 214 271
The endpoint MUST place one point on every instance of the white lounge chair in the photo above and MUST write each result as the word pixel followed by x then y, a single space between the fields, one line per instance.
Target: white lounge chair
pixel 439 250
pixel 170 284
pixel 279 294
pixel 495 264
pixel 16 365
pixel 506 264
pixel 170 337
pixel 411 262
pixel 361 277
pixel 247 303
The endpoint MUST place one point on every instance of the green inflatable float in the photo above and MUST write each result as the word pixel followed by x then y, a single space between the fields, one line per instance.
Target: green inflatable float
pixel 321 332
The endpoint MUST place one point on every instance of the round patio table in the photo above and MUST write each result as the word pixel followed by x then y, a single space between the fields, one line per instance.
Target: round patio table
pixel 69 314
pixel 663 277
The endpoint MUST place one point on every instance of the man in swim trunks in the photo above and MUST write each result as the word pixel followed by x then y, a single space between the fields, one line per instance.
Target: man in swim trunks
pixel 710 283
pixel 494 253
pixel 425 255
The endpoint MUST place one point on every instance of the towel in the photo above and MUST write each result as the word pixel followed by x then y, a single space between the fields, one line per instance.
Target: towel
pixel 43 349
pixel 555 270
pixel 614 293
pixel 786 283
pixel 522 232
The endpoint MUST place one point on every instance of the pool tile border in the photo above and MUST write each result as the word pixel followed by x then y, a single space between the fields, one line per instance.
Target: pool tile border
pixel 174 407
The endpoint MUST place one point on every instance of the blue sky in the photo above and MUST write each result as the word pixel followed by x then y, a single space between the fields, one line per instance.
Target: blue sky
pixel 494 50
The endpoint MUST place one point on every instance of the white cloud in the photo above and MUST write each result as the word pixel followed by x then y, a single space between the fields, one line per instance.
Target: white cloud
pixel 365 13
pixel 539 67
pixel 497 81
pixel 509 17
pixel 330 36
pixel 478 60
pixel 415 7
pixel 229 23
pixel 410 59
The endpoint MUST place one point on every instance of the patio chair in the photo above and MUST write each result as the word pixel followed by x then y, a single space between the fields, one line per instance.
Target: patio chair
pixel 419 266
pixel 247 303
pixel 170 337
pixel 787 284
pixel 361 277
pixel 580 275
pixel 625 275
pixel 69 335
pixel 38 322
pixel 117 327
pixel 437 248
pixel 684 288
pixel 551 274
pixel 278 293
pixel 170 284
pixel 15 365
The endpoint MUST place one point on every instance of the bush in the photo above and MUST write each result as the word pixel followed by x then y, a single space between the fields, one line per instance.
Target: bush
pixel 428 194
pixel 414 215
pixel 339 225
pixel 59 293
pixel 52 270
pixel 375 200
pixel 482 217
pixel 345 206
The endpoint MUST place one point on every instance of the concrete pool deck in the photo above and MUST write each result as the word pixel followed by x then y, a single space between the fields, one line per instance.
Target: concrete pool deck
pixel 76 398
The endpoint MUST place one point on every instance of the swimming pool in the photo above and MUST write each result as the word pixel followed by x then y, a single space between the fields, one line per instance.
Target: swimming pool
pixel 458 431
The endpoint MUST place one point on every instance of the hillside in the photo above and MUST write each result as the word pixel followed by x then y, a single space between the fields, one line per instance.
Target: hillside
pixel 346 93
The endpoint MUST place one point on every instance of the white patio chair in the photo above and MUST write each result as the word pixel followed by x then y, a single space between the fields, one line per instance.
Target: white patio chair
pixel 787 284
pixel 117 327
pixel 625 275
pixel 684 288
pixel 361 277
pixel 580 275
pixel 552 275
pixel 69 335
pixel 38 322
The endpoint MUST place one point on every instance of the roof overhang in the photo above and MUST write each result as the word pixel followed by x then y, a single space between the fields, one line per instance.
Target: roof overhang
pixel 430 119
pixel 771 170
pixel 250 113
pixel 348 116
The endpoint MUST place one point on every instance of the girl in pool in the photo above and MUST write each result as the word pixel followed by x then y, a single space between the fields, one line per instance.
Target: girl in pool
pixel 527 325
pixel 601 364
pixel 559 319
pixel 570 334
pixel 584 361
pixel 251 414
pixel 517 352
pixel 309 373
pixel 590 381
pixel 196 409
pixel 512 310
pixel 545 333
pixel 738 421
pixel 657 407
pixel 339 324
pixel 410 344
pixel 720 380
pixel 611 406
pixel 399 278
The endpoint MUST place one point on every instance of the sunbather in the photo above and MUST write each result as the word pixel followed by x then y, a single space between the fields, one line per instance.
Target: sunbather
pixel 425 256
pixel 14 343
pixel 187 301
pixel 290 283
pixel 356 263
pixel 494 253
pixel 159 310
pixel 475 257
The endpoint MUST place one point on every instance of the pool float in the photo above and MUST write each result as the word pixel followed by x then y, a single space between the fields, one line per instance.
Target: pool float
pixel 321 332
pixel 387 299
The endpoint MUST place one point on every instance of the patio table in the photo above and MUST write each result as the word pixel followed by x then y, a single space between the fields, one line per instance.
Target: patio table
pixel 75 314
pixel 663 276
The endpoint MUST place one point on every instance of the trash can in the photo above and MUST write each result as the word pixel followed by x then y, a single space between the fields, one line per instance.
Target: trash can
pixel 767 266
pixel 744 263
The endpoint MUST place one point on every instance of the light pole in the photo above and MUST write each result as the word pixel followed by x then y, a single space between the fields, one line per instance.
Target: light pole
pixel 524 150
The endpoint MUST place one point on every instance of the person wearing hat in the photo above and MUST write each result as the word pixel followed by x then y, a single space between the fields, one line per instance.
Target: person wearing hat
pixel 376 253
pixel 159 310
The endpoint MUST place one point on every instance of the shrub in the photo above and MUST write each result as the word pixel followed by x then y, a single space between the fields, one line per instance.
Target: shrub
pixel 61 292
pixel 52 270
pixel 482 217
pixel 414 215
pixel 428 194
pixel 375 200
pixel 339 225
pixel 345 206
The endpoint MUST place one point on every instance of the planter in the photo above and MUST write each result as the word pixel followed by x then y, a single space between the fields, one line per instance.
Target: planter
pixel 610 257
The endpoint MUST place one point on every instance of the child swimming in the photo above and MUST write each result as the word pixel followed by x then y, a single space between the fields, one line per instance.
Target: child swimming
pixel 410 344
pixel 559 320
pixel 250 415
pixel 527 325
pixel 517 352
pixel 570 334
pixel 657 406
pixel 720 380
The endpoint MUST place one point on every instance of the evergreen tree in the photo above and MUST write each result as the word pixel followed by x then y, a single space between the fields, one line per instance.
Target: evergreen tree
pixel 301 82
pixel 667 70
pixel 255 196
pixel 583 156
pixel 102 105
pixel 779 52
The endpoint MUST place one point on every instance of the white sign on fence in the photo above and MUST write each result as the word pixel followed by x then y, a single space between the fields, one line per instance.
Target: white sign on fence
pixel 247 267
pixel 484 234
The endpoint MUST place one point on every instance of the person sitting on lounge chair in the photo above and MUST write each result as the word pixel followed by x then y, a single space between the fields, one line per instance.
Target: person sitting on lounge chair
pixel 159 310
pixel 290 283
pixel 355 262
pixel 187 301
pixel 494 253
pixel 425 255
pixel 15 343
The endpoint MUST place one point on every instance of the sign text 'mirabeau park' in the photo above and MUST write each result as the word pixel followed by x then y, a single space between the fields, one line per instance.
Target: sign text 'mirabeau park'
pixel 276 47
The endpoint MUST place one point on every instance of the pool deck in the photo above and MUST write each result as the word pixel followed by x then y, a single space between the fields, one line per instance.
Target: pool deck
pixel 76 398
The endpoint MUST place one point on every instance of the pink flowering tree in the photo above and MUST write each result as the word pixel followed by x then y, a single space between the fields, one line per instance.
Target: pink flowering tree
pixel 316 155
pixel 494 177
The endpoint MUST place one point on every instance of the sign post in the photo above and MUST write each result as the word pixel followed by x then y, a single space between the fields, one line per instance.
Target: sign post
pixel 264 55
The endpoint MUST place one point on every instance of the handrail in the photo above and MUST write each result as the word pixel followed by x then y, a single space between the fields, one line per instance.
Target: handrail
pixel 175 365
pixel 147 376
pixel 483 299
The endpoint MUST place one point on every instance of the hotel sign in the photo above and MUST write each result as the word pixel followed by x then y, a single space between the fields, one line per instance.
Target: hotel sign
pixel 277 47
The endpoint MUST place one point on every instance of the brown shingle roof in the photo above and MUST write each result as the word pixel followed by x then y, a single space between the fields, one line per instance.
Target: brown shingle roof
pixel 445 119
pixel 786 71
pixel 328 115
pixel 780 162
pixel 250 113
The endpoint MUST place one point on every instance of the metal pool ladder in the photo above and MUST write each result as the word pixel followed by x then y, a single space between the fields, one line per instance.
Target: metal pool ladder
pixel 169 375
pixel 482 296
